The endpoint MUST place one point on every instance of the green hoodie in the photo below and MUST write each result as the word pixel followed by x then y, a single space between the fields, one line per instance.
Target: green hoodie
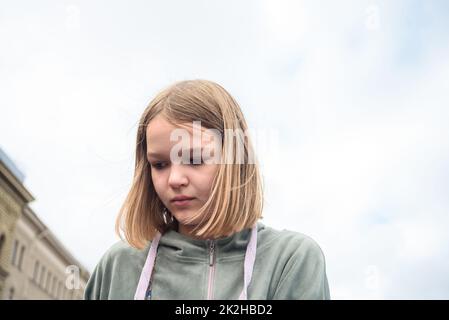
pixel 288 265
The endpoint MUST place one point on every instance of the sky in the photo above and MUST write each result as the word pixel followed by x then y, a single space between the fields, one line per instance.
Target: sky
pixel 347 103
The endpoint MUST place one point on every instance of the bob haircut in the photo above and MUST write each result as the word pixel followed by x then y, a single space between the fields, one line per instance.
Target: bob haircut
pixel 236 198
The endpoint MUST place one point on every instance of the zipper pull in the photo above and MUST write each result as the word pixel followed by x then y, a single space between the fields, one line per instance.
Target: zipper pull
pixel 211 252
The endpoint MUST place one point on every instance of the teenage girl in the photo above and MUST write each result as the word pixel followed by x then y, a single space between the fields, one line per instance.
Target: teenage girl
pixel 189 226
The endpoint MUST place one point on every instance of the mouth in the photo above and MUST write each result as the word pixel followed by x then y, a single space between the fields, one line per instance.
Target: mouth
pixel 183 202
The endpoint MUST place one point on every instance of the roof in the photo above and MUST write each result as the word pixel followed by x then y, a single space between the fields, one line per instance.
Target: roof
pixel 11 166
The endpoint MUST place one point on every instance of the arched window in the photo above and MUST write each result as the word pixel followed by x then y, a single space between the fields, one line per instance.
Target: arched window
pixel 22 252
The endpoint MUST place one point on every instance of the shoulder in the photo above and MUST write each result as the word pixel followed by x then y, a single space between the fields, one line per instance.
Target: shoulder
pixel 294 251
pixel 121 252
pixel 116 273
pixel 122 249
pixel 300 271
pixel 291 245
pixel 301 243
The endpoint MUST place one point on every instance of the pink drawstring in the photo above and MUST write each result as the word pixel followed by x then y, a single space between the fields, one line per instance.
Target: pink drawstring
pixel 147 270
pixel 250 257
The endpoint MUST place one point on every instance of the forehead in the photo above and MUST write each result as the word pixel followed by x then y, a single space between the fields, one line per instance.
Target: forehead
pixel 159 130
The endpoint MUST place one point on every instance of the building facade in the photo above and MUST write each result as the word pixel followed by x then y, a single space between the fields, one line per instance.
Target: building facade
pixel 33 263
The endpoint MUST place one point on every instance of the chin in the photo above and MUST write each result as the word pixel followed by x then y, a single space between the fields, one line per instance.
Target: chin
pixel 181 217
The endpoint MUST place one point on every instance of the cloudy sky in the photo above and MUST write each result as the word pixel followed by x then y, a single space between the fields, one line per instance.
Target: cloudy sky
pixel 348 102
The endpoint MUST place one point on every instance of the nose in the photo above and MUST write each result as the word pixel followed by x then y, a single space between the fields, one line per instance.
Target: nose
pixel 177 177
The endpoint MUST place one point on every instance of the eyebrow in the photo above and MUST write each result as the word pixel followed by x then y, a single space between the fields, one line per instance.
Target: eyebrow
pixel 156 154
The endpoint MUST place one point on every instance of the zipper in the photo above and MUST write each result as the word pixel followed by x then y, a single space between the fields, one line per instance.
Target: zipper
pixel 211 270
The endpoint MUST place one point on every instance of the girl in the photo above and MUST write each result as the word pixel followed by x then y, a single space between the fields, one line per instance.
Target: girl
pixel 191 219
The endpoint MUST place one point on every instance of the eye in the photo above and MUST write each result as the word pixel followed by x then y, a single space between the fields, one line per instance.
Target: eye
pixel 158 165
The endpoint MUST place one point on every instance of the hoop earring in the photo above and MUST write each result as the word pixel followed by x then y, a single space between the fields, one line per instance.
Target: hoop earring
pixel 168 218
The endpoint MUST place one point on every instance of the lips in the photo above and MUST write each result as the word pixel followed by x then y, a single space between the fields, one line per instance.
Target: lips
pixel 181 198
pixel 182 203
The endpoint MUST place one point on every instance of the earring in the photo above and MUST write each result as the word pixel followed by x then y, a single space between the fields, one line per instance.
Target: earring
pixel 168 218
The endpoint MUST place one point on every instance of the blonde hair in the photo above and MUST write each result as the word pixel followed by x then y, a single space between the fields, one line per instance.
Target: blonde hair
pixel 236 198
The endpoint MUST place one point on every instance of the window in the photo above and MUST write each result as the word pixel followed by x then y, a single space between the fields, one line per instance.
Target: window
pixel 47 285
pixel 41 280
pixel 11 293
pixel 59 292
pixel 53 287
pixel 22 252
pixel 2 242
pixel 55 290
pixel 36 271
pixel 14 252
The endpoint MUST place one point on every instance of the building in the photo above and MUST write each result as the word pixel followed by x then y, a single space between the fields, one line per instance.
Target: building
pixel 33 263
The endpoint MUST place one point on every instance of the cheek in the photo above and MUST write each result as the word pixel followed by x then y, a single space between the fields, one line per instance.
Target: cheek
pixel 158 184
pixel 206 180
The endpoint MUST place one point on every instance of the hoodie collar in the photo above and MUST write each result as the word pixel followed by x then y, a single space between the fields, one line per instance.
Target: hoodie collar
pixel 181 246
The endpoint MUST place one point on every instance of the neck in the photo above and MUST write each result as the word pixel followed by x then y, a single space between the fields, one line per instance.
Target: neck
pixel 188 231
